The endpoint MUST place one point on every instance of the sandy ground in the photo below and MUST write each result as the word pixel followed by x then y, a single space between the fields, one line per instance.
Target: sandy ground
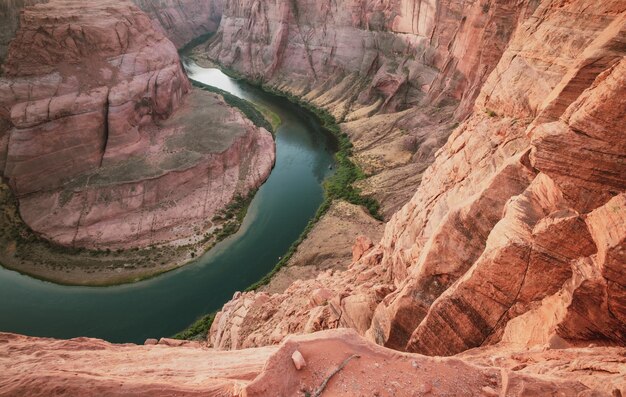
pixel 328 245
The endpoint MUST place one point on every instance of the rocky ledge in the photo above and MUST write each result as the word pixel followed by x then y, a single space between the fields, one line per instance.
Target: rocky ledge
pixel 332 363
pixel 102 139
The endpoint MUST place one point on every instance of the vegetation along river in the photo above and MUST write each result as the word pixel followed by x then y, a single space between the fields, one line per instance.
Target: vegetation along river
pixel 166 304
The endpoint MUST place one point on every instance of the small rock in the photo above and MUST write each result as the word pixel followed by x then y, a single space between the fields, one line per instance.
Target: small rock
pixel 489 392
pixel 150 341
pixel 414 364
pixel 171 342
pixel 425 387
pixel 298 360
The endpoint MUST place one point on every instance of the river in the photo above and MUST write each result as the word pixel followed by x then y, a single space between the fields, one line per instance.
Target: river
pixel 166 304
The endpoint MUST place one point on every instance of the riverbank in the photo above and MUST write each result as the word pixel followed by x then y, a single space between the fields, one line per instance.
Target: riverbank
pixel 23 250
pixel 338 188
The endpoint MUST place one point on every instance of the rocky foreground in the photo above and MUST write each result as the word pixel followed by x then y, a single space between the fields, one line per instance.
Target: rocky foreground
pixel 330 363
pixel 103 141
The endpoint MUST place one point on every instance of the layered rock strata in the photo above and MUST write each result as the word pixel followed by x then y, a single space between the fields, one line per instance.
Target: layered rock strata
pixel 180 21
pixel 397 74
pixel 9 21
pixel 517 231
pixel 42 367
pixel 101 142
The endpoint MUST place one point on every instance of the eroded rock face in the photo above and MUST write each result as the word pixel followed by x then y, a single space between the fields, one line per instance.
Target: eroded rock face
pixel 397 74
pixel 41 367
pixel 99 140
pixel 516 232
pixel 183 21
pixel 180 21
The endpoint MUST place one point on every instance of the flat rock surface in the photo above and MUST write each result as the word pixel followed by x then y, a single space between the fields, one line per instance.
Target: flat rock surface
pixel 338 363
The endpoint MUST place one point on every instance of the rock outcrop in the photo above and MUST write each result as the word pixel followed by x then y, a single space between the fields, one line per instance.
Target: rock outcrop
pixel 43 367
pixel 9 21
pixel 517 231
pixel 102 143
pixel 181 21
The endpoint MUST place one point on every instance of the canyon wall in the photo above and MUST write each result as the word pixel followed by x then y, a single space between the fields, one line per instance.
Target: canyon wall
pixel 9 21
pixel 397 74
pixel 517 232
pixel 103 141
pixel 179 20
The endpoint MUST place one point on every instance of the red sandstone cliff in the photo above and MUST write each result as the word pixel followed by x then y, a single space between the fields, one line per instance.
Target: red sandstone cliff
pixel 397 74
pixel 181 21
pixel 517 231
pixel 98 142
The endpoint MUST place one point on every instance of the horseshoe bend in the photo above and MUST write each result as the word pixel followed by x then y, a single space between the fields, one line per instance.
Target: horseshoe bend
pixel 352 198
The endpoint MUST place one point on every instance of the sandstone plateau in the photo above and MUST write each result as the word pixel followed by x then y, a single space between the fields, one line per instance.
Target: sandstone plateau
pixel 103 141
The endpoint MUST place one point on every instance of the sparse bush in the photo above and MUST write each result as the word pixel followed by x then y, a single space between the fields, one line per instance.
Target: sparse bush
pixel 410 144
pixel 198 330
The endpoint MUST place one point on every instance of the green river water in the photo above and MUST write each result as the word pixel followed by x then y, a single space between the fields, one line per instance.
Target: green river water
pixel 166 304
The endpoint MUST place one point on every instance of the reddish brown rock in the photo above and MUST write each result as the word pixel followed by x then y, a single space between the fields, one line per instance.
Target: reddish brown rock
pixel 508 236
pixel 182 21
pixel 350 365
pixel 102 144
pixel 361 246
pixel 396 73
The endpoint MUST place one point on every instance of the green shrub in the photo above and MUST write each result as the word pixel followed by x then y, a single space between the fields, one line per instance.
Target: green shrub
pixel 198 330
pixel 338 186
pixel 248 109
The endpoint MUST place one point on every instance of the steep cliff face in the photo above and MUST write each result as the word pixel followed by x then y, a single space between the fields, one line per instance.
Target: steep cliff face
pixel 398 74
pixel 517 231
pixel 98 142
pixel 43 367
pixel 9 21
pixel 179 20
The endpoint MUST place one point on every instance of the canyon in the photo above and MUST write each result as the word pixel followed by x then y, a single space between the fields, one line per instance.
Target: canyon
pixel 502 240
pixel 181 21
pixel 104 142
pixel 492 134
